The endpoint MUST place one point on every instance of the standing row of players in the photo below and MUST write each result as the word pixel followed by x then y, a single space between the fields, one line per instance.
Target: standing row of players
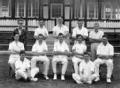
pixel 88 69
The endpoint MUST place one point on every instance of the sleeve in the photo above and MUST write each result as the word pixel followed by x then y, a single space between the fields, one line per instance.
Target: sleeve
pixel 46 32
pixel 85 48
pixel 10 47
pixel 98 50
pixel 17 66
pixel 66 47
pixel 22 46
pixel 85 32
pixel 90 35
pixel 81 67
pixel 55 46
pixel 28 63
pixel 92 67
pixel 35 32
pixel 111 50
pixel 74 33
pixel 33 48
pixel 102 33
pixel 45 47
pixel 74 47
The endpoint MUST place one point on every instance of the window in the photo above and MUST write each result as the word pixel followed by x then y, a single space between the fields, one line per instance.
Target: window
pixel 78 9
pixel 20 7
pixel 56 10
pixel 35 4
pixel 92 9
pixel 5 6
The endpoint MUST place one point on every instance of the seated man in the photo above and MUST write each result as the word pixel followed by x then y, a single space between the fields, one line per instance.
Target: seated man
pixel 60 48
pixel 22 67
pixel 86 71
pixel 15 46
pixel 78 50
pixel 105 52
pixel 40 48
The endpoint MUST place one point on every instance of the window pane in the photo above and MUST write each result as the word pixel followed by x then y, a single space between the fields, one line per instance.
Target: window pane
pixel 56 10
pixel 4 8
pixel 92 9
pixel 79 9
pixel 35 5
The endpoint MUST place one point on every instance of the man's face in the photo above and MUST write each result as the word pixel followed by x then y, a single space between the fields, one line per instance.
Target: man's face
pixel 22 56
pixel 79 39
pixel 60 21
pixel 96 27
pixel 86 58
pixel 20 23
pixel 16 37
pixel 40 39
pixel 80 24
pixel 41 23
pixel 61 38
pixel 104 40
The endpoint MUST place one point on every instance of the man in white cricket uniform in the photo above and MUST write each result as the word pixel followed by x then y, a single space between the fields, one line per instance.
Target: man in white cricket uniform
pixel 78 48
pixel 80 30
pixel 95 38
pixel 40 47
pixel 60 28
pixel 86 71
pixel 60 46
pixel 16 46
pixel 41 30
pixel 105 52
pixel 22 67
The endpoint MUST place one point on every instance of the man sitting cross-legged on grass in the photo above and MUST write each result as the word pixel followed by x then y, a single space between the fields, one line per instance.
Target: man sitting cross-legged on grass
pixel 86 71
pixel 22 67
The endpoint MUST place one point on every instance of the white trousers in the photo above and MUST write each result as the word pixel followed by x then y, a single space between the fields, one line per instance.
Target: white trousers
pixel 63 60
pixel 82 78
pixel 22 74
pixel 76 61
pixel 34 71
pixel 12 60
pixel 43 59
pixel 109 64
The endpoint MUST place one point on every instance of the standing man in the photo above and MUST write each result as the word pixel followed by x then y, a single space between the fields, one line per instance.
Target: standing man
pixel 60 48
pixel 95 37
pixel 78 50
pixel 40 49
pixel 15 47
pixel 60 28
pixel 105 52
pixel 86 71
pixel 21 31
pixel 22 67
pixel 41 30
pixel 80 30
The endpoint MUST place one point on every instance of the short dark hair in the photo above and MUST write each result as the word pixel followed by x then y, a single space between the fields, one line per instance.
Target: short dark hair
pixel 79 35
pixel 22 52
pixel 60 34
pixel 41 35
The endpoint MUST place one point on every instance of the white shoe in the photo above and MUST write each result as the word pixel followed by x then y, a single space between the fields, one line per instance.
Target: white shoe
pixel 89 82
pixel 97 79
pixel 62 77
pixel 46 77
pixel 108 80
pixel 55 77
pixel 34 79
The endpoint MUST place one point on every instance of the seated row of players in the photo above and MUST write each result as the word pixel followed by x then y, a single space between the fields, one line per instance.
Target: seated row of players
pixel 87 71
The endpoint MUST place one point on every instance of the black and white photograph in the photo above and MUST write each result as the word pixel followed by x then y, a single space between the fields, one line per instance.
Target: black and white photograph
pixel 59 43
